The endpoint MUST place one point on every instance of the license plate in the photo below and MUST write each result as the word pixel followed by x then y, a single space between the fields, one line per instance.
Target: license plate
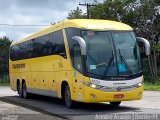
pixel 119 96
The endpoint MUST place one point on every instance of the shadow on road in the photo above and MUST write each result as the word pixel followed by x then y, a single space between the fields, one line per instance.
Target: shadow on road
pixel 55 106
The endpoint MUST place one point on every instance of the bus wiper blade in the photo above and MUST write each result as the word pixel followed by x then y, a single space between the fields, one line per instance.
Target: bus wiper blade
pixel 122 58
pixel 93 73
pixel 109 64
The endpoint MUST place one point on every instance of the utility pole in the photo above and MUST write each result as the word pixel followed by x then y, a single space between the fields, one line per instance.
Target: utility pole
pixel 88 7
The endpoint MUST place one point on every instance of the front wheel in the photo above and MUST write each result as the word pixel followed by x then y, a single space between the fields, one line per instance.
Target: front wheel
pixel 115 104
pixel 67 97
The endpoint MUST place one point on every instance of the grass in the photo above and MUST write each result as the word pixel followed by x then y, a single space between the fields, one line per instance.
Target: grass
pixel 152 87
pixel 148 79
pixel 4 83
pixel 4 79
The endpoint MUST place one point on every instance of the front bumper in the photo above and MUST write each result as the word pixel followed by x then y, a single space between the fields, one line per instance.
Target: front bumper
pixel 94 95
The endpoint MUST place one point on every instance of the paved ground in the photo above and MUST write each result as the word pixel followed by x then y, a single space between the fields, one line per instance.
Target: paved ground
pixel 146 109
pixel 18 112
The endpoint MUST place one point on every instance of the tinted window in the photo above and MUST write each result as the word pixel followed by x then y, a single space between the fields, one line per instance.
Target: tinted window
pixel 77 61
pixel 29 50
pixel 59 43
pixel 70 32
pixel 50 44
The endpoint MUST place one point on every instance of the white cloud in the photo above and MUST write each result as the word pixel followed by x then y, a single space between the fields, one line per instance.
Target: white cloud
pixel 33 12
pixel 2 34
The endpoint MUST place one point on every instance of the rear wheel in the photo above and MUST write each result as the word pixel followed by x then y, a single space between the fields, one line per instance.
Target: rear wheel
pixel 67 97
pixel 115 104
pixel 19 90
pixel 24 90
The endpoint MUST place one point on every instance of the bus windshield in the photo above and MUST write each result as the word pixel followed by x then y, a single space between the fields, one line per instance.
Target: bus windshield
pixel 112 53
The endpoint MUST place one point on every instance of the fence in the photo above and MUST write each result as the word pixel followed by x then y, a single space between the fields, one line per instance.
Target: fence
pixel 4 79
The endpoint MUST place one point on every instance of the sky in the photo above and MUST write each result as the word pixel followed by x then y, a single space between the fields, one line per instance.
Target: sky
pixel 33 12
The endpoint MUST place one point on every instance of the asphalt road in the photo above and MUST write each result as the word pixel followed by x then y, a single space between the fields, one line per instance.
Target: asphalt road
pixel 146 109
pixel 14 112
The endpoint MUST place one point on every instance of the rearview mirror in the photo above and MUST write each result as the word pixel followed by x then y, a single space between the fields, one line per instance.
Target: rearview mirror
pixel 146 45
pixel 82 44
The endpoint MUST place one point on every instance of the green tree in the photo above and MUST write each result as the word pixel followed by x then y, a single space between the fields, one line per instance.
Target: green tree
pixel 4 54
pixel 147 26
pixel 76 14
pixel 110 9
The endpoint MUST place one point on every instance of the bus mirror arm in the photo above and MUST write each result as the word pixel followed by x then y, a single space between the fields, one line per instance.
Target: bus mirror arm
pixel 146 44
pixel 82 44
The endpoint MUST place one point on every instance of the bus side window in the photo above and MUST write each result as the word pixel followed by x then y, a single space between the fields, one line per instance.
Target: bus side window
pixel 70 32
pixel 45 48
pixel 16 52
pixel 29 49
pixel 77 61
pixel 59 48
pixel 50 44
pixel 12 53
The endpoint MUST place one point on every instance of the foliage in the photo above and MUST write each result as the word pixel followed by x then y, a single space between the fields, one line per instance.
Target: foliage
pixel 156 48
pixel 4 54
pixel 4 79
pixel 150 86
pixel 109 9
pixel 78 14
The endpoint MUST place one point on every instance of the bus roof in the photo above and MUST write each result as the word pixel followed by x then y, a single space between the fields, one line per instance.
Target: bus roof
pixel 90 24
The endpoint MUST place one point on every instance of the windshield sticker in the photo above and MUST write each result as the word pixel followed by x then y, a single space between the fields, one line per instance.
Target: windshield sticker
pixel 90 33
pixel 122 68
pixel 92 67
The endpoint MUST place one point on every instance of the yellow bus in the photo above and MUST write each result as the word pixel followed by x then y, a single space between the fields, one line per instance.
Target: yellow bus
pixel 79 60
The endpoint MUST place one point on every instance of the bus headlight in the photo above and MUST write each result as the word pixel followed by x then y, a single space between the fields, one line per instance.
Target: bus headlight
pixel 89 84
pixel 93 86
pixel 138 85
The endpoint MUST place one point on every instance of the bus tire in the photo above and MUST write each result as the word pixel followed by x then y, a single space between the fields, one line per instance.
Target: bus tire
pixel 67 97
pixel 24 90
pixel 19 90
pixel 115 104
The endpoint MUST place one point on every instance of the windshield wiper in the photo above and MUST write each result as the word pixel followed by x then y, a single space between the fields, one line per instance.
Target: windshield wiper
pixel 109 64
pixel 93 73
pixel 122 58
